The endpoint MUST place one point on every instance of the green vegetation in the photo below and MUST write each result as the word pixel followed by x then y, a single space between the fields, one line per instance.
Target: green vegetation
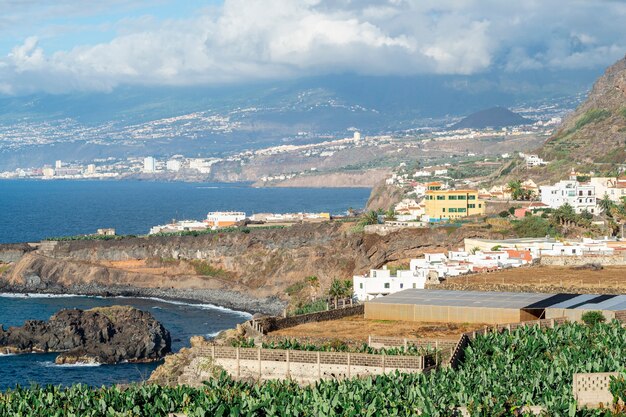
pixel 622 111
pixel 592 318
pixel 89 237
pixel 4 268
pixel 312 307
pixel 500 373
pixel 534 226
pixel 206 269
pixel 336 346
pixel 518 192
pixel 591 116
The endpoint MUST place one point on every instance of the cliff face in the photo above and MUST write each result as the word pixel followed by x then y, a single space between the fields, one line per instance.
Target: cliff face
pixel 596 132
pixel 255 268
pixel 383 197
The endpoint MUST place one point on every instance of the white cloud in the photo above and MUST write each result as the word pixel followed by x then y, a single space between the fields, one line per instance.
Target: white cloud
pixel 258 39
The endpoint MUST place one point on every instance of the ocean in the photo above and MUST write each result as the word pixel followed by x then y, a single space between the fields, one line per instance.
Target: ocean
pixel 32 210
pixel 183 320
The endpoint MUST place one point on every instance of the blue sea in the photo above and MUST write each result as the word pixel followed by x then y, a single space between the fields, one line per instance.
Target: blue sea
pixel 33 210
pixel 183 320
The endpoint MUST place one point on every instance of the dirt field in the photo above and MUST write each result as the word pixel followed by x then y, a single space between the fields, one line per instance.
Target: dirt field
pixel 611 279
pixel 357 328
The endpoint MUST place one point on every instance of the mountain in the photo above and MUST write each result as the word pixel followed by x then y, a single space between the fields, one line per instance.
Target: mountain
pixel 594 136
pixel 494 117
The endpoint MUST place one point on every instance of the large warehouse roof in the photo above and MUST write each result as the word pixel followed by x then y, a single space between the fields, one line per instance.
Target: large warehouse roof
pixel 515 300
pixel 488 299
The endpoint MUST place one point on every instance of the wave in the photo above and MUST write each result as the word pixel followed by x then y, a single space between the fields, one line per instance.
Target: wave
pixel 196 305
pixel 50 364
pixel 39 295
pixel 7 354
pixel 204 306
pixel 214 333
pixel 208 188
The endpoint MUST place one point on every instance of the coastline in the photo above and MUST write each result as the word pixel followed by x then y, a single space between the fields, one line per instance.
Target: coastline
pixel 208 298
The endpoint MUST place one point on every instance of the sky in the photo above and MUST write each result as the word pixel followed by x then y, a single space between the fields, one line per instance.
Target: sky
pixel 63 46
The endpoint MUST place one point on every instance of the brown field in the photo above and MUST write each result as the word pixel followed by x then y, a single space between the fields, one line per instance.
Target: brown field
pixel 609 279
pixel 358 328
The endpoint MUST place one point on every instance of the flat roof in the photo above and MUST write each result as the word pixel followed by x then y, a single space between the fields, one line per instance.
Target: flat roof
pixel 512 300
pixel 487 299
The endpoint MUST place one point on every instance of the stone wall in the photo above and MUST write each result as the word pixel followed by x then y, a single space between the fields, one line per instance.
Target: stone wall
pixel 606 260
pixel 308 367
pixel 270 324
pixel 592 390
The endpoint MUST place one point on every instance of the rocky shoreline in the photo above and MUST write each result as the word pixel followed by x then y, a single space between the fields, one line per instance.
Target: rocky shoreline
pixel 219 298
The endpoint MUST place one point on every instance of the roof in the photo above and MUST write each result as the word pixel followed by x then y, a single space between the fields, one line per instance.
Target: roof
pixel 486 299
pixel 511 300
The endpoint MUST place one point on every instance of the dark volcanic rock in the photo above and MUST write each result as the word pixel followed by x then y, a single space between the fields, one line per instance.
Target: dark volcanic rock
pixel 103 335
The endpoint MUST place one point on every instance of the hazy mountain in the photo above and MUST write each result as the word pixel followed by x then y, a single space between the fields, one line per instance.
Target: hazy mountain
pixel 494 117
pixel 213 121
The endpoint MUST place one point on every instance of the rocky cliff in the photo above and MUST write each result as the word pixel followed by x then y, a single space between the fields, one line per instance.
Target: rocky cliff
pixel 595 133
pixel 101 335
pixel 249 271
pixel 384 196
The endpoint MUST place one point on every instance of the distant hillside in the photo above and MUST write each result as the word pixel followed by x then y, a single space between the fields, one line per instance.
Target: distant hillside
pixel 495 117
pixel 594 136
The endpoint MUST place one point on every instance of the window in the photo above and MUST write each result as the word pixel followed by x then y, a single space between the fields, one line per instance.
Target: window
pixel 386 285
pixel 580 193
pixel 471 205
pixel 471 197
pixel 462 197
pixel 589 192
pixel 452 210
pixel 480 206
pixel 361 285
pixel 401 286
pixel 452 197
pixel 414 285
pixel 462 210
pixel 443 210
pixel 441 197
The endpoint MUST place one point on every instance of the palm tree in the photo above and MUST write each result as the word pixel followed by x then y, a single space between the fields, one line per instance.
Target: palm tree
pixel 371 217
pixel 347 288
pixel 564 214
pixel 336 289
pixel 516 189
pixel 606 204
pixel 314 282
pixel 390 214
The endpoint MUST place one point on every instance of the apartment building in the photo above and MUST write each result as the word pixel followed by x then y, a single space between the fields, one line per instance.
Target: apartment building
pixel 452 204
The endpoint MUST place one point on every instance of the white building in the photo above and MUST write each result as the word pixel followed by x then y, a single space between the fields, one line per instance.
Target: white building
pixel 149 164
pixel 533 161
pixel 58 164
pixel 614 188
pixel 200 164
pixel 439 172
pixel 580 196
pixel 357 136
pixel 216 219
pixel 180 226
pixel 173 165
pixel 380 282
pixel 422 173
pixel 91 169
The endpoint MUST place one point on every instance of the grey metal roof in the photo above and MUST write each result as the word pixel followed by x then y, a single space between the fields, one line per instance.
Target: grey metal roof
pixel 488 299
pixel 514 300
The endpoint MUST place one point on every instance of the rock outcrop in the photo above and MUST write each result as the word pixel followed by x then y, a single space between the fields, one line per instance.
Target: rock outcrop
pixel 100 335
pixel 596 131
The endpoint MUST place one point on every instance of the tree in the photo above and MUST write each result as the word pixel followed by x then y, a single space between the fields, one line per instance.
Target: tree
pixel 390 215
pixel 347 288
pixel 314 283
pixel 336 289
pixel 591 318
pixel 371 217
pixel 564 214
pixel 607 205
pixel 516 189
pixel 534 226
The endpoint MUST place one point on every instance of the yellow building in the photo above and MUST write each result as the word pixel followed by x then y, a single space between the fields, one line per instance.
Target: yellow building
pixel 452 204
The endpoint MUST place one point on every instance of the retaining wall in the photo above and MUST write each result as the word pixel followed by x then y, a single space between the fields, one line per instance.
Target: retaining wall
pixel 270 324
pixel 307 367
pixel 617 259
pixel 592 390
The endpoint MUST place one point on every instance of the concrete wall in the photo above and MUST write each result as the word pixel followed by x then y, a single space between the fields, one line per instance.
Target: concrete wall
pixel 449 314
pixel 270 324
pixel 575 315
pixel 308 367
pixel 617 259
pixel 592 390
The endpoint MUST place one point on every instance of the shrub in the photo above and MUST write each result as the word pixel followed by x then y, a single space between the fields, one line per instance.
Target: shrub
pixel 592 318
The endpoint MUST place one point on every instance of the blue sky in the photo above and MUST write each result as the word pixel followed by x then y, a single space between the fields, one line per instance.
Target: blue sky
pixel 85 45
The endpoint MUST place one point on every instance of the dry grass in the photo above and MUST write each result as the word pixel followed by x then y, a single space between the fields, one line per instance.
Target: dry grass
pixel 610 277
pixel 358 328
